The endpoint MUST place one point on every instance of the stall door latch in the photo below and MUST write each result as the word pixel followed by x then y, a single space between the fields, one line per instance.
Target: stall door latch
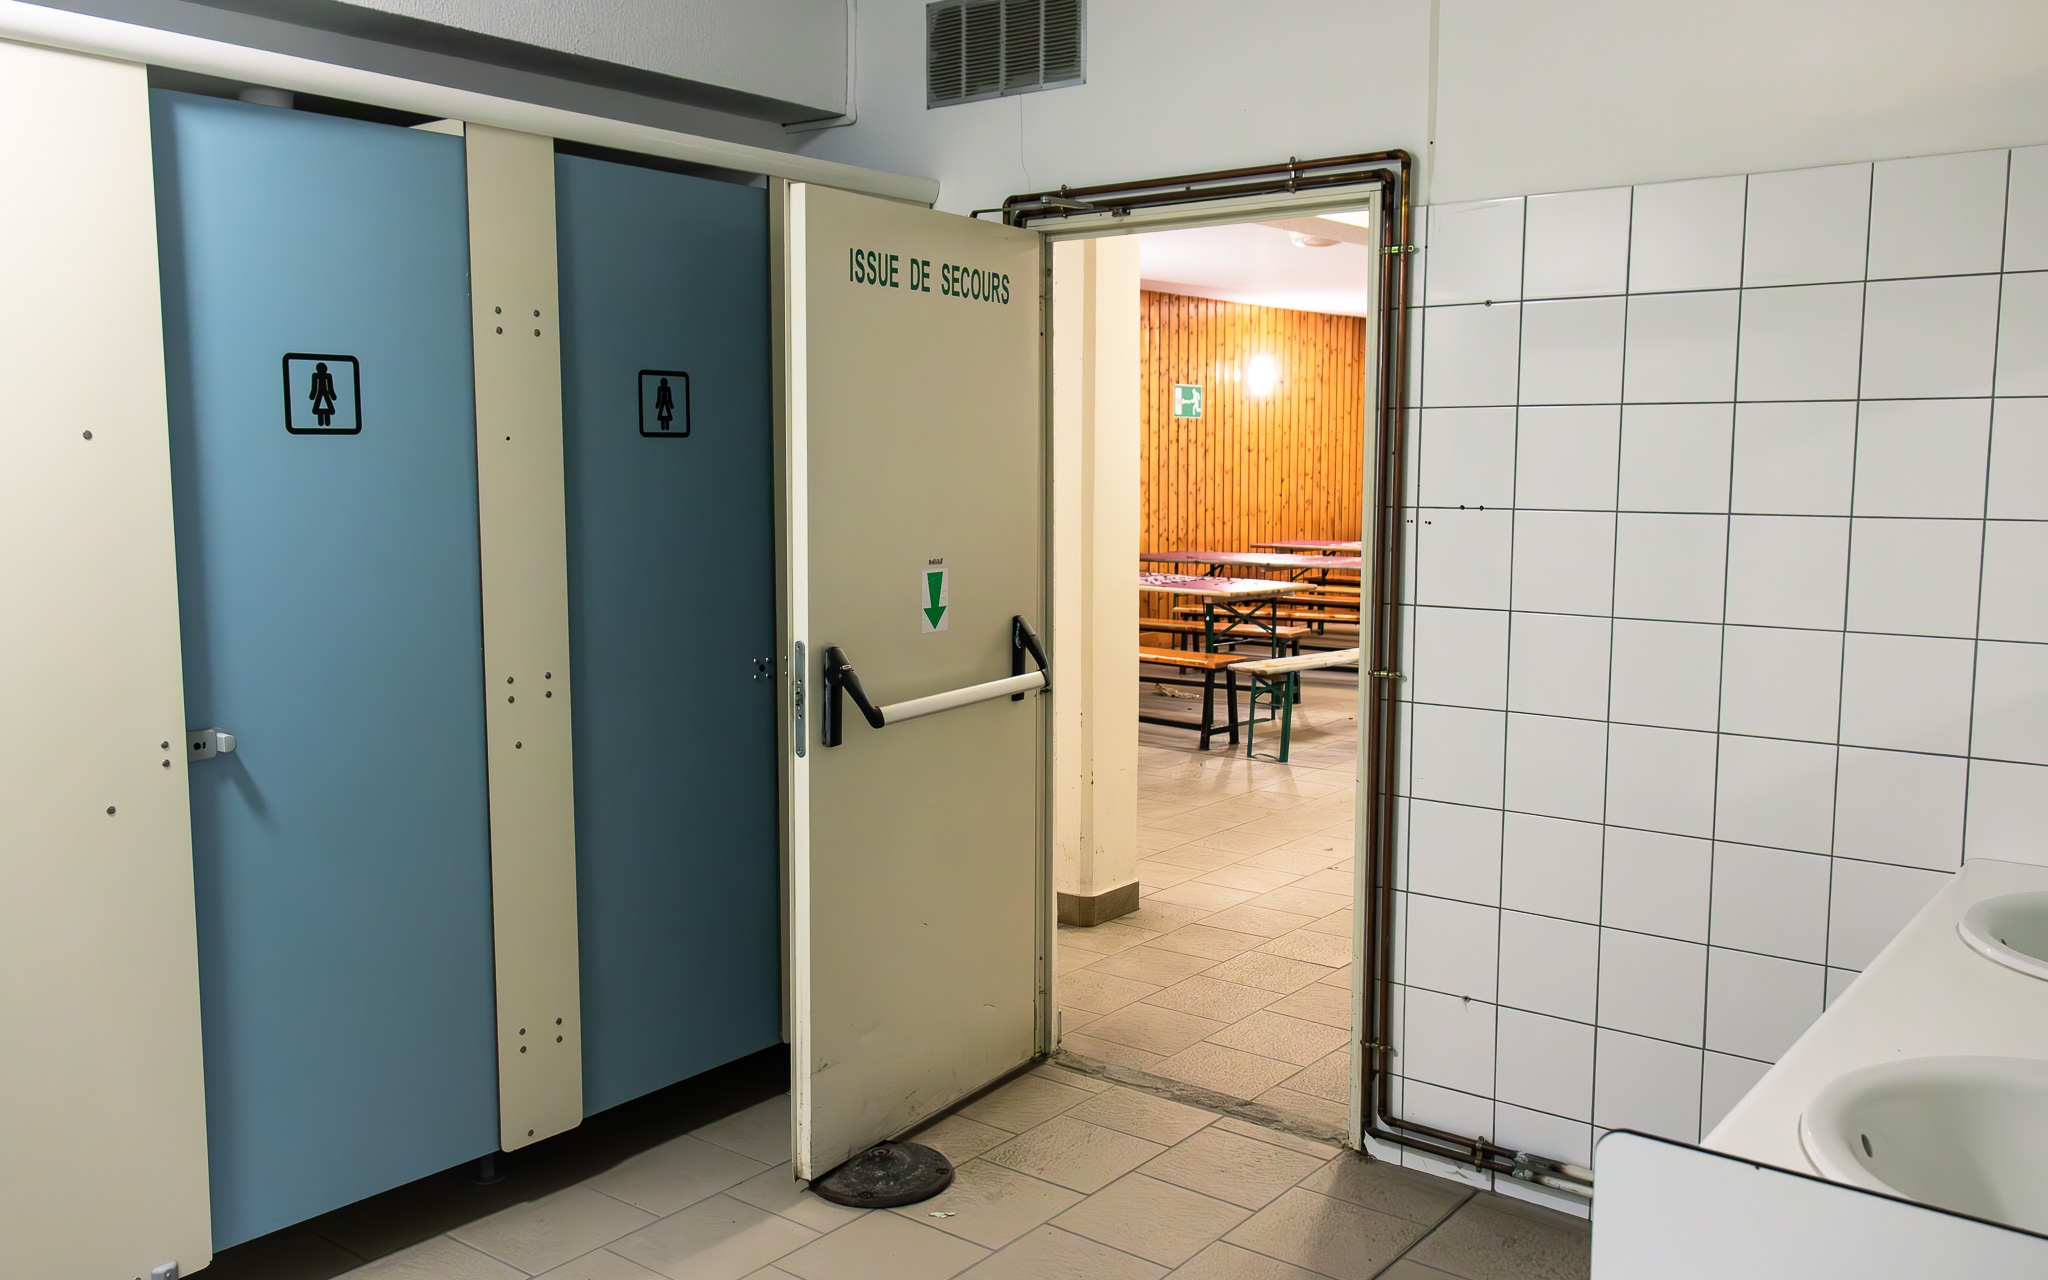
pixel 205 744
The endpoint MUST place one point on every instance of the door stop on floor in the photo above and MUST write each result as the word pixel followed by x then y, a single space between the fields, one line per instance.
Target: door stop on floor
pixel 887 1175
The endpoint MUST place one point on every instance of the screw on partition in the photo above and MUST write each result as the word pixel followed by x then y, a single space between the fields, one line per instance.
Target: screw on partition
pixel 110 811
pixel 88 435
pixel 518 745
pixel 498 310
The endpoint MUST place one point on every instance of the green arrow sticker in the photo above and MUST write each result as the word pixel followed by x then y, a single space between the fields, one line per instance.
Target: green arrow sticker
pixel 934 593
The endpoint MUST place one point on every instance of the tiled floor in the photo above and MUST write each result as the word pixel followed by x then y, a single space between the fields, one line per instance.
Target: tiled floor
pixel 1060 1177
pixel 1232 980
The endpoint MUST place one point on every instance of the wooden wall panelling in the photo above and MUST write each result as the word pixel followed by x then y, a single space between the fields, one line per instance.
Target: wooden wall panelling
pixel 1252 468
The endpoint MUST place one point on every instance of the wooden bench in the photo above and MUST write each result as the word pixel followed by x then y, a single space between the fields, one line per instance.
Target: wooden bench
pixel 1289 637
pixel 1313 617
pixel 1277 680
pixel 1208 664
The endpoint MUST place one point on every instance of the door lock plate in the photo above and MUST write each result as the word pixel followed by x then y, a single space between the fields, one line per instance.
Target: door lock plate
pixel 205 744
pixel 796 696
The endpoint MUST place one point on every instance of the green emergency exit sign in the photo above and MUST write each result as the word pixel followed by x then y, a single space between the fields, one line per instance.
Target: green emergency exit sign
pixel 1187 400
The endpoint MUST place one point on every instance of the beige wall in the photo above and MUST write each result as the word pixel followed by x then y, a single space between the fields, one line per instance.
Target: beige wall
pixel 1095 562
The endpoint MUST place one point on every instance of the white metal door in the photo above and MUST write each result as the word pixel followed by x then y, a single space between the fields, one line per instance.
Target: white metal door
pixel 913 534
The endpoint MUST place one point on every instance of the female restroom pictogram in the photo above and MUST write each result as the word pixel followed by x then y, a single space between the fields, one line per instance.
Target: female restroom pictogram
pixel 664 404
pixel 323 394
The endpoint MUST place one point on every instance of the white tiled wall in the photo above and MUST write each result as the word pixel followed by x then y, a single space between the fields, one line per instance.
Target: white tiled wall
pixel 1729 620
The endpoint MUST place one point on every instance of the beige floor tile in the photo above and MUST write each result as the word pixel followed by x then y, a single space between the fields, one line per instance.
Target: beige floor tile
pixel 1494 1238
pixel 1153 1029
pixel 1316 948
pixel 961 1139
pixel 1060 1075
pixel 1405 1193
pixel 550 1231
pixel 1197 822
pixel 1211 997
pixel 1024 1102
pixel 1142 1115
pixel 1075 1019
pixel 1300 862
pixel 1244 840
pixel 1104 939
pixel 1154 875
pixel 1339 977
pixel 1288 1141
pixel 1342 1240
pixel 1162 917
pixel 1156 1220
pixel 1075 1154
pixel 1275 1035
pixel 1229 1166
pixel 1328 1077
pixel 1307 1108
pixel 1052 1254
pixel 883 1246
pixel 1337 922
pixel 441 1258
pixel 602 1264
pixel 1222 1261
pixel 1207 941
pixel 1300 901
pixel 1149 964
pixel 1221 1069
pixel 1151 839
pixel 1197 858
pixel 1320 1002
pixel 1254 879
pixel 761 1132
pixel 676 1174
pixel 1409 1269
pixel 1099 992
pixel 1207 897
pixel 1264 921
pixel 716 1239
pixel 1067 959
pixel 990 1204
pixel 1337 882
pixel 780 1194
pixel 1268 972
pixel 1108 1052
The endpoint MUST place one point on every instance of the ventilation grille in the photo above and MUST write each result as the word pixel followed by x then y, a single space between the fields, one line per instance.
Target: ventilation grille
pixel 977 49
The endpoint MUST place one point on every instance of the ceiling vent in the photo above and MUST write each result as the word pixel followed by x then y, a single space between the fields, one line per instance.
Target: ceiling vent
pixel 977 49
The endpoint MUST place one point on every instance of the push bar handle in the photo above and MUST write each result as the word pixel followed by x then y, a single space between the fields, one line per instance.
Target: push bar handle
pixel 841 682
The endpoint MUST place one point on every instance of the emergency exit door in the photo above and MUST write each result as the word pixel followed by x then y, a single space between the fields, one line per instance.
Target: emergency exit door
pixel 323 470
pixel 913 523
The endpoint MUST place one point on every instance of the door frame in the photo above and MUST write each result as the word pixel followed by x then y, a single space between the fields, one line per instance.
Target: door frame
pixel 1193 211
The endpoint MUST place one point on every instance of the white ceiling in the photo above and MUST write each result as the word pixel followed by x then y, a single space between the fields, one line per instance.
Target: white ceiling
pixel 1257 262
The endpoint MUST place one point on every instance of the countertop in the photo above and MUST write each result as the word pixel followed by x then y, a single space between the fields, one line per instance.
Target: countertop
pixel 1926 995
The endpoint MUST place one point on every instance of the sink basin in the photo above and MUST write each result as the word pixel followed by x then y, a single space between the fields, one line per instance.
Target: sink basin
pixel 2011 929
pixel 1963 1133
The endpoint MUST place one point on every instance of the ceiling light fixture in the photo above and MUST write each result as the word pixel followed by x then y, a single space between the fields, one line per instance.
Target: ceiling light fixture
pixel 1305 241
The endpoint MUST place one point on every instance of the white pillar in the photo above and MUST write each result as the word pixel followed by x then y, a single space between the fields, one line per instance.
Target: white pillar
pixel 1095 565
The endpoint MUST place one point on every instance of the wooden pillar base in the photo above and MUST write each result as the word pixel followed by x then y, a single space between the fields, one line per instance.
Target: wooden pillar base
pixel 1086 910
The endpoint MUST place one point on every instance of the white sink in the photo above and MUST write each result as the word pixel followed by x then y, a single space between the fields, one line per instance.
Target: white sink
pixel 2011 929
pixel 1963 1133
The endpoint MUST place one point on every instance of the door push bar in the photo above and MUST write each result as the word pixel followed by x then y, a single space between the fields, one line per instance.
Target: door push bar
pixel 839 678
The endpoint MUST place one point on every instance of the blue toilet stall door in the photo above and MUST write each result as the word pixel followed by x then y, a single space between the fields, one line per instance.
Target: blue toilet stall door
pixel 316 308
pixel 667 442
